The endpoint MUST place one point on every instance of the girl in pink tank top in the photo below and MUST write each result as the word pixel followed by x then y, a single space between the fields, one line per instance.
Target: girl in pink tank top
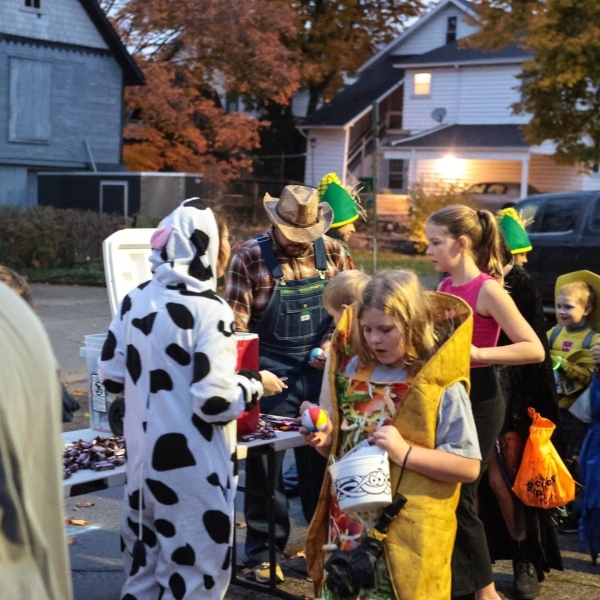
pixel 465 243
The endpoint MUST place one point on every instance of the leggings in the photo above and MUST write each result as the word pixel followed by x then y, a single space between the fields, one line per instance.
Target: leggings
pixel 471 564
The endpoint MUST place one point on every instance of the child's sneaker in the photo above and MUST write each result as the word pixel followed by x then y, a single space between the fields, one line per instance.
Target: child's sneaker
pixel 262 573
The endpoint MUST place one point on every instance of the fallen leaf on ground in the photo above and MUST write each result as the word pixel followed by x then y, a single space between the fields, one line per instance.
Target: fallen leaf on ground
pixel 301 554
pixel 80 522
pixel 241 524
pixel 84 504
pixel 71 539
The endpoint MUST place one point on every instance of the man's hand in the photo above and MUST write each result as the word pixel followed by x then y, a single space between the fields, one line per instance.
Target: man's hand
pixel 271 383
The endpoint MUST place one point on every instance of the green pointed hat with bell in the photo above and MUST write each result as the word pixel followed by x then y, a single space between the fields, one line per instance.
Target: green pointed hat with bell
pixel 343 204
pixel 513 230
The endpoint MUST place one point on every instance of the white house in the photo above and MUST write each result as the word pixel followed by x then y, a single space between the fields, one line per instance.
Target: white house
pixel 444 116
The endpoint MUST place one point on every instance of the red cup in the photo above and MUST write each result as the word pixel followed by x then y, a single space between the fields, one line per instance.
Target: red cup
pixel 247 347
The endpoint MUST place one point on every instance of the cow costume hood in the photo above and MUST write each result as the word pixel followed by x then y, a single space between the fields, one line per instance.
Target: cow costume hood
pixel 185 248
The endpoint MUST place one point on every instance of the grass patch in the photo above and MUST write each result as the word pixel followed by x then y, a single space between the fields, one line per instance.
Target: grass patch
pixel 421 265
pixel 92 276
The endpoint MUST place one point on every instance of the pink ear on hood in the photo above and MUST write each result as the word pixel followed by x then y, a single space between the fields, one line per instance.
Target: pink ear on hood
pixel 160 238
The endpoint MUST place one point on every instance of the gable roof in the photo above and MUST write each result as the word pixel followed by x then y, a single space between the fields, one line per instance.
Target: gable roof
pixel 466 136
pixel 467 7
pixel 452 54
pixel 352 101
pixel 132 74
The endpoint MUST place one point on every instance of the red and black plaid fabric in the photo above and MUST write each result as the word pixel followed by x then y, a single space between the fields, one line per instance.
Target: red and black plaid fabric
pixel 249 282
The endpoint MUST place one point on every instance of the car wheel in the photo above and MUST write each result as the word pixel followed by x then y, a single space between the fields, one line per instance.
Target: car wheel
pixel 116 414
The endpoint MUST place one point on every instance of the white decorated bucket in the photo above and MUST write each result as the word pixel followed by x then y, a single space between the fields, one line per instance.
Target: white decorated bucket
pixel 362 479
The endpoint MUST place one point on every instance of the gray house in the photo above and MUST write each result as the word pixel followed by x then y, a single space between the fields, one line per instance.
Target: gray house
pixel 63 71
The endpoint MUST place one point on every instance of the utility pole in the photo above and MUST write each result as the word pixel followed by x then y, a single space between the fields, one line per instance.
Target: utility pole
pixel 375 114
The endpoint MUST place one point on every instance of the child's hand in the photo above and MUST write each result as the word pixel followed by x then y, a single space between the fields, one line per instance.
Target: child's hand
pixel 271 383
pixel 319 440
pixel 596 354
pixel 388 438
pixel 319 361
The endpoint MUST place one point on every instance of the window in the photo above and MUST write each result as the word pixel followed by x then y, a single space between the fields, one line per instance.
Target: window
pixel 232 105
pixel 32 4
pixel 451 29
pixel 560 215
pixel 528 211
pixel 595 224
pixel 422 84
pixel 496 188
pixel 396 179
pixel 29 101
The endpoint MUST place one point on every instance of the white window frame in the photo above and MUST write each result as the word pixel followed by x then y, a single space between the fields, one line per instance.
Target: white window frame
pixel 113 183
pixel 422 89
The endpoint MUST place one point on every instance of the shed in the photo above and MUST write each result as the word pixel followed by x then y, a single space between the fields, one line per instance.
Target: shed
pixel 121 192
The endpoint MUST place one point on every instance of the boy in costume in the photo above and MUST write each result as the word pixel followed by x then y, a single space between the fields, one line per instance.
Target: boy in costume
pixel 346 209
pixel 571 342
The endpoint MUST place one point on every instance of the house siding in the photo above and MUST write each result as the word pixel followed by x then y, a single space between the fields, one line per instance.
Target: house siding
pixel 470 95
pixel 328 154
pixel 486 95
pixel 85 102
pixel 547 176
pixel 433 33
pixel 63 21
pixel 468 172
pixel 444 93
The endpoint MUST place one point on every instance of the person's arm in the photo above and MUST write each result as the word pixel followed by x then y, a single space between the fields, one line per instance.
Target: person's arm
pixel 112 363
pixel 238 292
pixel 435 464
pixel 495 302
pixel 220 395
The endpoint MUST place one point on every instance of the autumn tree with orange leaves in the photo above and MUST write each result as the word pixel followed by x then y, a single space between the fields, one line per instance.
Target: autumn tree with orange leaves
pixel 192 52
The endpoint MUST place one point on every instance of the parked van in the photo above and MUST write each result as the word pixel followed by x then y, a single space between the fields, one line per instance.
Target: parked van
pixel 565 235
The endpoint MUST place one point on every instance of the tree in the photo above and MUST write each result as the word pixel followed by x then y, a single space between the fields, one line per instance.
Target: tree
pixel 335 38
pixel 560 85
pixel 192 52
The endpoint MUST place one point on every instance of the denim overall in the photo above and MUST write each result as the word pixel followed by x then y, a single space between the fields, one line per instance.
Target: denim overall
pixel 293 323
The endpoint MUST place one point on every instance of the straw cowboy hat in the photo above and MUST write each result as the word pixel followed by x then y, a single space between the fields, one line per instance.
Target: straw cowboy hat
pixel 298 214
pixel 593 281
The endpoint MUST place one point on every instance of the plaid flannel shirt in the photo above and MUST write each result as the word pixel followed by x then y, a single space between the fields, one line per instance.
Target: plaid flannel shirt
pixel 250 285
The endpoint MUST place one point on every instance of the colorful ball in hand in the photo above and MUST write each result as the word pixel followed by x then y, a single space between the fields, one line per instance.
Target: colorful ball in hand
pixel 314 419
pixel 315 352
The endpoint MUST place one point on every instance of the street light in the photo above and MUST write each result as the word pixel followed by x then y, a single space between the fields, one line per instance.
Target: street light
pixel 313 144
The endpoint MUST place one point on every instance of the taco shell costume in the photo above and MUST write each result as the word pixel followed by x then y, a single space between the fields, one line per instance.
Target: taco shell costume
pixel 419 544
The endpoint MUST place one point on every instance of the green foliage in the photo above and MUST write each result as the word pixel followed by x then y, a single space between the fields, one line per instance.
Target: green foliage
pixel 423 204
pixel 559 86
pixel 46 237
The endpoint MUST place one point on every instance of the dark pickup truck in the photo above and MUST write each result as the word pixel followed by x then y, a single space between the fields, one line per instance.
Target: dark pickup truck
pixel 565 235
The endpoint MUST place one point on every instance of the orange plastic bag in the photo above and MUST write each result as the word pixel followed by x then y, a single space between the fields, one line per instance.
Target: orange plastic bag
pixel 543 481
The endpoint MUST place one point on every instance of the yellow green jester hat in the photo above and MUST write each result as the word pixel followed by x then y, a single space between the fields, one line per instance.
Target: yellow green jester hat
pixel 513 230
pixel 343 204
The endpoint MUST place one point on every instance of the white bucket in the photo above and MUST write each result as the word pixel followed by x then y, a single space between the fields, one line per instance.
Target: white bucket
pixel 99 399
pixel 362 479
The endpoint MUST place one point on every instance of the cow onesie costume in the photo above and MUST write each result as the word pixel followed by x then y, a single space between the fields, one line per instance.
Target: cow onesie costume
pixel 171 350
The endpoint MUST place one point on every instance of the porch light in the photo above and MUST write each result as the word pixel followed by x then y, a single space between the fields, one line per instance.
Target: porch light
pixel 450 169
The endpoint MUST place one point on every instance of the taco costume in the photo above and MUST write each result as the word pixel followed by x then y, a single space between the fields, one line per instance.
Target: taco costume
pixel 419 544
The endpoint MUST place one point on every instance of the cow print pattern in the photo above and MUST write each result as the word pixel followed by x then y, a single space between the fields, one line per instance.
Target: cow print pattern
pixel 182 392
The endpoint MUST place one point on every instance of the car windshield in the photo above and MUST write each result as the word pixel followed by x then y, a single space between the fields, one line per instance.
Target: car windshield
pixel 528 210
pixel 477 188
